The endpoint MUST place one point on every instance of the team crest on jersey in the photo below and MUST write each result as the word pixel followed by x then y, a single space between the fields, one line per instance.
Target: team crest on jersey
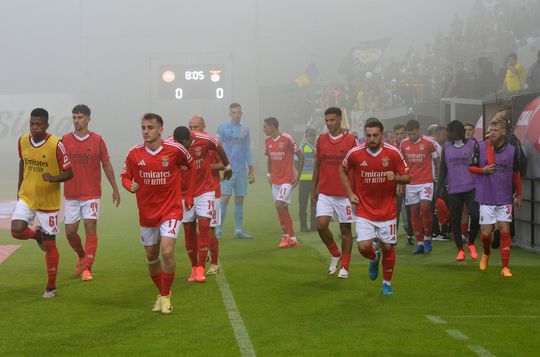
pixel 165 161
pixel 197 151
pixel 385 160
pixel 421 146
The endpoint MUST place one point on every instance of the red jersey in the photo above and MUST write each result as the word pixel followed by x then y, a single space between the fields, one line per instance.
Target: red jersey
pixel 281 152
pixel 158 175
pixel 377 195
pixel 201 146
pixel 86 155
pixel 214 158
pixel 419 156
pixel 330 153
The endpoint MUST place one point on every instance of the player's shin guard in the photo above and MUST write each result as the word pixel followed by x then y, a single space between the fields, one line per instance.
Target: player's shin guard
pixel 167 280
pixel 416 223
pixel 204 240
pixel 28 233
pixel 388 262
pixel 427 218
pixel 76 244
pixel 214 247
pixel 238 216
pixel 90 249
pixel 190 239
pixel 486 243
pixel 505 247
pixel 51 260
pixel 368 253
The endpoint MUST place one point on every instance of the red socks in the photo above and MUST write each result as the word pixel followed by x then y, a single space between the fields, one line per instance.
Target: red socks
pixel 214 247
pixel 505 247
pixel 190 239
pixel 75 243
pixel 416 222
pixel 427 218
pixel 167 280
pixel 345 260
pixel 51 260
pixel 370 253
pixel 28 233
pixel 156 278
pixel 285 221
pixel 333 249
pixel 90 248
pixel 388 262
pixel 204 240
pixel 486 243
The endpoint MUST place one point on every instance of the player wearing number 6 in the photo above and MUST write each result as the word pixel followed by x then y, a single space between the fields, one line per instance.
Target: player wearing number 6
pixel 43 164
pixel 377 168
pixel 280 149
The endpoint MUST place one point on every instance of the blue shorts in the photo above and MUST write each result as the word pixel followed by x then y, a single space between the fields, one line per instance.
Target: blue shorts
pixel 238 181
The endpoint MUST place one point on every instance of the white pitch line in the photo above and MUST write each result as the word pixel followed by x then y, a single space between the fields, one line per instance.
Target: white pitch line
pixel 435 319
pixel 457 334
pixel 480 351
pixel 240 332
pixel 494 316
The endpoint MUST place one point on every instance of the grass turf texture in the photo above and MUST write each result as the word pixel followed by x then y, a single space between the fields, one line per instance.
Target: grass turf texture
pixel 289 305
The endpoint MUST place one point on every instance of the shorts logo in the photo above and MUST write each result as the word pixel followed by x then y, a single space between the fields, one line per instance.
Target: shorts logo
pixel 385 160
pixel 172 231
pixel 141 163
pixel 54 230
pixel 165 161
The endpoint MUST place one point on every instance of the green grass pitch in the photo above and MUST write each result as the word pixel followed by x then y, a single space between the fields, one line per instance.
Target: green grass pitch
pixel 288 303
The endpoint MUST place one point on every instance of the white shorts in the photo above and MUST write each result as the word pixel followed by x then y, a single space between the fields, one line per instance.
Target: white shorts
pixel 152 235
pixel 416 193
pixel 48 220
pixel 75 210
pixel 216 215
pixel 341 206
pixel 282 192
pixel 204 206
pixel 492 214
pixel 385 231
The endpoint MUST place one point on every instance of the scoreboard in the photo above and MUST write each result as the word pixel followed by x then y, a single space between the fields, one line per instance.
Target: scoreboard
pixel 191 82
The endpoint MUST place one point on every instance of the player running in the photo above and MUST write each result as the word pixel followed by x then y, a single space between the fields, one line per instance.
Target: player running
pixel 377 168
pixel 43 165
pixel 151 171
pixel 328 195
pixel 87 152
pixel 199 145
pixel 280 149
pixel 496 165
pixel 423 159
pixel 455 160
pixel 237 144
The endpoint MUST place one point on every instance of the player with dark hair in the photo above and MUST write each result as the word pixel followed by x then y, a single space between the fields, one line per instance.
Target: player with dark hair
pixel 236 141
pixel 280 149
pixel 43 165
pixel 377 168
pixel 496 165
pixel 455 160
pixel 88 153
pixel 151 171
pixel 328 195
pixel 422 157
pixel 200 145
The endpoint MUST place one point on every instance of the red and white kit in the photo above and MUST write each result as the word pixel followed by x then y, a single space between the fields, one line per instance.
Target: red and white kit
pixel 281 151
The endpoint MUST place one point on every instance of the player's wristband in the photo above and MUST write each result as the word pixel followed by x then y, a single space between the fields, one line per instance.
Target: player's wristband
pixel 228 167
pixel 268 174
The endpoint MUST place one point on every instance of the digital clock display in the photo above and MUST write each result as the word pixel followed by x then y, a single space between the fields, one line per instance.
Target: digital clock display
pixel 183 82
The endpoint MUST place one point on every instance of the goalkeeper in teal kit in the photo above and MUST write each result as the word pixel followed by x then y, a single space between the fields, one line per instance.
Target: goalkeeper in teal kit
pixel 236 141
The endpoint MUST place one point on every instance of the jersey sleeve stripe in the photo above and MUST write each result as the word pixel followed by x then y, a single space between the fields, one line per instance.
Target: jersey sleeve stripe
pixel 393 148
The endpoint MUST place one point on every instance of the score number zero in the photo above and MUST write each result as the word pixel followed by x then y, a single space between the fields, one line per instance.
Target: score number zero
pixel 196 76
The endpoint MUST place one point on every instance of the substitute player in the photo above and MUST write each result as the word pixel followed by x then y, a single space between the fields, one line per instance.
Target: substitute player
pixel 496 165
pixel 197 244
pixel 43 165
pixel 237 144
pixel 151 171
pixel 377 168
pixel 87 152
pixel 328 195
pixel 422 157
pixel 280 149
